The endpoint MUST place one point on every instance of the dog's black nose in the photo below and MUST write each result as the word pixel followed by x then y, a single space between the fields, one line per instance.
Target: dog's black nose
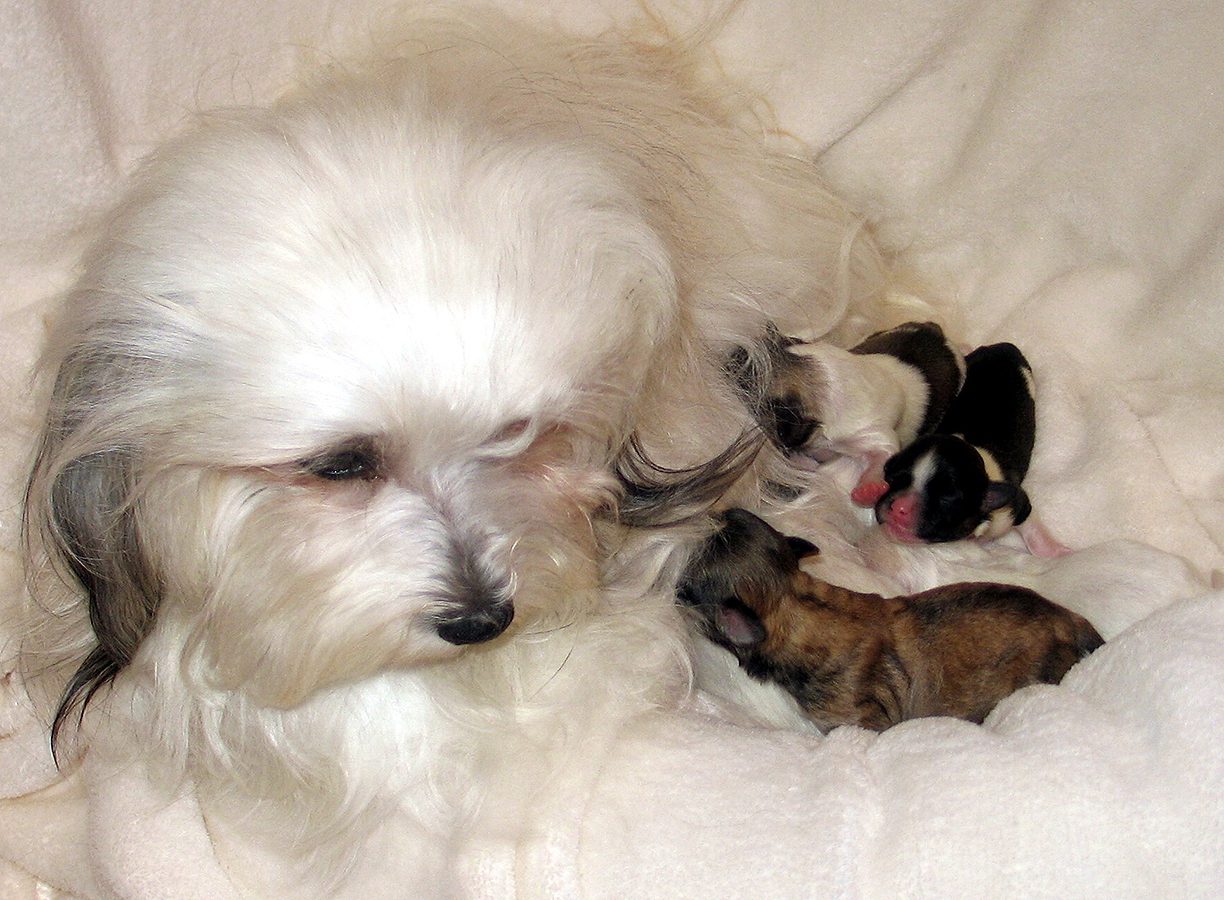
pixel 476 627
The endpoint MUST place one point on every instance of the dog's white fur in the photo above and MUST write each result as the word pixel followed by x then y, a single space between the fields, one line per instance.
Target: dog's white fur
pixel 478 269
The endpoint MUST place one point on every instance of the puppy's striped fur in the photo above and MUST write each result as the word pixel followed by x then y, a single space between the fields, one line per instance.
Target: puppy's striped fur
pixel 850 658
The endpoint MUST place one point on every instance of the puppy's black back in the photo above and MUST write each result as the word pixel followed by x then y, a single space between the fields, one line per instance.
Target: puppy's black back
pixel 923 346
pixel 995 409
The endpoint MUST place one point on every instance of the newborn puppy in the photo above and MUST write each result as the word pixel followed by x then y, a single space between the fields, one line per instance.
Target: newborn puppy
pixel 862 659
pixel 817 401
pixel 965 480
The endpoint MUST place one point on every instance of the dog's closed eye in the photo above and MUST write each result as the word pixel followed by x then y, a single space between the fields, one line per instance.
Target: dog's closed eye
pixel 358 461
pixel 529 442
pixel 510 431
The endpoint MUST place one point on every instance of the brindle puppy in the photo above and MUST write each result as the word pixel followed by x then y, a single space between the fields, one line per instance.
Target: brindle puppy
pixel 862 659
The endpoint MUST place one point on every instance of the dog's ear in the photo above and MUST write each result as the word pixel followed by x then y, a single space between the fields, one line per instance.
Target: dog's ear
pixel 655 496
pixel 998 495
pixel 85 515
pixel 737 624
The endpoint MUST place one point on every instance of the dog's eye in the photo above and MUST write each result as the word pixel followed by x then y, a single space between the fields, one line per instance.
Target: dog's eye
pixel 347 464
pixel 510 431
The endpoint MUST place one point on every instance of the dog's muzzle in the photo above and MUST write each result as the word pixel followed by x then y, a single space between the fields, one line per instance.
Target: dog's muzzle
pixel 478 626
pixel 479 603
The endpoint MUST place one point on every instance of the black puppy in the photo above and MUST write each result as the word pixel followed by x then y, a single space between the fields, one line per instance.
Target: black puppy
pixel 964 481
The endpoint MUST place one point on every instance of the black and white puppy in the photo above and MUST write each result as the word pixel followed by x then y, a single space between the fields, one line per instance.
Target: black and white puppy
pixel 817 401
pixel 965 480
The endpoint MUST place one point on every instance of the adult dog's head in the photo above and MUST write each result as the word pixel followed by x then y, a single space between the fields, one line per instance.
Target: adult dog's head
pixel 343 384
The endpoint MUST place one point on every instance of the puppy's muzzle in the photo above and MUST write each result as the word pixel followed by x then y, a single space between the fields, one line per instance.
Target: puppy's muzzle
pixel 477 626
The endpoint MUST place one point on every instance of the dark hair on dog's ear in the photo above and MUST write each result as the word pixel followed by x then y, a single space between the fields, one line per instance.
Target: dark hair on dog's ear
pixel 753 371
pixel 657 496
pixel 84 514
pixel 750 368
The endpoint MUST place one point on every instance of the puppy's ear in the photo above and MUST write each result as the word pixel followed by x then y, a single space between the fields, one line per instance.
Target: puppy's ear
pixel 1022 507
pixel 999 494
pixel 802 548
pixel 737 624
pixel 87 521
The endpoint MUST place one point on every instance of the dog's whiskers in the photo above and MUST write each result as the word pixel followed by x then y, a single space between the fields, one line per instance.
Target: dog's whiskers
pixel 551 678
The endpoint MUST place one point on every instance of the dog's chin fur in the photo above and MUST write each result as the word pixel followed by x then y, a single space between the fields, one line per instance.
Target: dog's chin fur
pixel 347 367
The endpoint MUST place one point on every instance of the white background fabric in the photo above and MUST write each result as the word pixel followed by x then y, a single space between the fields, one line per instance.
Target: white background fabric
pixel 1057 169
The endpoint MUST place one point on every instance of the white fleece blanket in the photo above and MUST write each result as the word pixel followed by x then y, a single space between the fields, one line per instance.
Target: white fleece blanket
pixel 1055 167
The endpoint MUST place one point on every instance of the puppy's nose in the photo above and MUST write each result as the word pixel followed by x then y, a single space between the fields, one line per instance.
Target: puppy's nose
pixel 903 510
pixel 476 627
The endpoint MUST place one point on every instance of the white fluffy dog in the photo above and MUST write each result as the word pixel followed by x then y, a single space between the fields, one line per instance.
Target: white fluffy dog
pixel 371 421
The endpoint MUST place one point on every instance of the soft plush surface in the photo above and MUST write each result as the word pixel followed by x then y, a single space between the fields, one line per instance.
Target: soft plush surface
pixel 1055 169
